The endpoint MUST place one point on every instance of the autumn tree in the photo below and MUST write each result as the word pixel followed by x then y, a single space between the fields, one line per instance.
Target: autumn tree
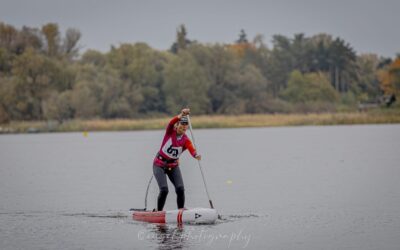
pixel 390 78
pixel 8 37
pixel 52 36
pixel 43 76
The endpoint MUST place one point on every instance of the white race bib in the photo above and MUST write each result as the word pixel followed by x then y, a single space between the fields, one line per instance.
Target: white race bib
pixel 170 151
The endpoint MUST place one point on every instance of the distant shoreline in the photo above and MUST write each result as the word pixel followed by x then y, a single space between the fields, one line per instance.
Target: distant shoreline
pixel 209 121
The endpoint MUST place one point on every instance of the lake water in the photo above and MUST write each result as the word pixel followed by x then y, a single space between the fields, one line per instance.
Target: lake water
pixel 332 187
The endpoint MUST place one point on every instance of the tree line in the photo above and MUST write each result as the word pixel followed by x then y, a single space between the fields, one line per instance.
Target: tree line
pixel 43 76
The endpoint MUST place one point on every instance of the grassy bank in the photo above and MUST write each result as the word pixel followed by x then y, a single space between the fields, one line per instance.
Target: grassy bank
pixel 217 121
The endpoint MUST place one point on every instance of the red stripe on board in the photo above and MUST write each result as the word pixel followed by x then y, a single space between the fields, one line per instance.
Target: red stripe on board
pixel 179 217
pixel 153 217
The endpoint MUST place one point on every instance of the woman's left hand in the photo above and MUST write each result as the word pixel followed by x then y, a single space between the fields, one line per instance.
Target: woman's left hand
pixel 198 157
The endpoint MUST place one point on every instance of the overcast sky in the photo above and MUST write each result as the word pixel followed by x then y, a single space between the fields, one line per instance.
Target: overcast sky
pixel 370 26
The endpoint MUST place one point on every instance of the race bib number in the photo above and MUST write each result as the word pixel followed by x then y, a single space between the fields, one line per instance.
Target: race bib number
pixel 170 151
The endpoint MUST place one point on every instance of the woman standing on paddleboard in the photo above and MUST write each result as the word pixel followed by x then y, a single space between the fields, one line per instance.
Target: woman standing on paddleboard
pixel 166 162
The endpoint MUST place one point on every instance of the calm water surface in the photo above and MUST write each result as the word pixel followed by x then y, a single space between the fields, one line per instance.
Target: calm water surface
pixel 335 187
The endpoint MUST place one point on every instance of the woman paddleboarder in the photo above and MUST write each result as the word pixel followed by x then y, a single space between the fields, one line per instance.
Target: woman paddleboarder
pixel 166 162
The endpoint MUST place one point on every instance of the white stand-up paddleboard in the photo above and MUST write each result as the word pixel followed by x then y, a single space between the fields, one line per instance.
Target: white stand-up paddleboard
pixel 189 216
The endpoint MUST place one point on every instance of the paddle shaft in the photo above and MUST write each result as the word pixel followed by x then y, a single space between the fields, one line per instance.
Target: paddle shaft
pixel 201 169
pixel 147 192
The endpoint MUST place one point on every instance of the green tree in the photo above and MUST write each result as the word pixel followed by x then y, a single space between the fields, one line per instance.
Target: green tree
pixel 367 76
pixel 119 97
pixel 94 57
pixel 14 42
pixel 142 68
pixel 301 50
pixel 70 44
pixel 7 99
pixel 320 52
pixel 58 106
pixel 84 102
pixel 186 84
pixel 242 37
pixel 261 57
pixel 87 96
pixel 342 60
pixel 280 63
pixel 182 42
pixel 310 87
pixel 250 91
pixel 32 81
pixel 6 60
pixel 218 62
pixel 29 38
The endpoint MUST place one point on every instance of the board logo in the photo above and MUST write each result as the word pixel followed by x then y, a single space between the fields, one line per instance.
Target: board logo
pixel 196 215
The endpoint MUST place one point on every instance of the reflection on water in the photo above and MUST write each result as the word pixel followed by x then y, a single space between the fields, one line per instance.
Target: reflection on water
pixel 116 215
pixel 167 237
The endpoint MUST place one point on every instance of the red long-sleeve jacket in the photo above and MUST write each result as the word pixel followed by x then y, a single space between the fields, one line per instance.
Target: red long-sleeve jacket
pixel 172 147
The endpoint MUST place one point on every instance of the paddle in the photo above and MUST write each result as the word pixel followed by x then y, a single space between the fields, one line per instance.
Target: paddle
pixel 201 169
pixel 145 198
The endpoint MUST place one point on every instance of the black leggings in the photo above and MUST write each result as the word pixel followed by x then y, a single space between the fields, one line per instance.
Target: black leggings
pixel 175 176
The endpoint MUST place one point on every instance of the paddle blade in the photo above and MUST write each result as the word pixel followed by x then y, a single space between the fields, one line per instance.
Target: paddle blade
pixel 137 209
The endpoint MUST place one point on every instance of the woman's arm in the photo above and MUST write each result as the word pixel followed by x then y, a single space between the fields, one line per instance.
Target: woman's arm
pixel 171 124
pixel 192 150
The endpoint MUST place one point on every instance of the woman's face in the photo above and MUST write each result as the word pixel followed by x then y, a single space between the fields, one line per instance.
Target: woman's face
pixel 181 128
